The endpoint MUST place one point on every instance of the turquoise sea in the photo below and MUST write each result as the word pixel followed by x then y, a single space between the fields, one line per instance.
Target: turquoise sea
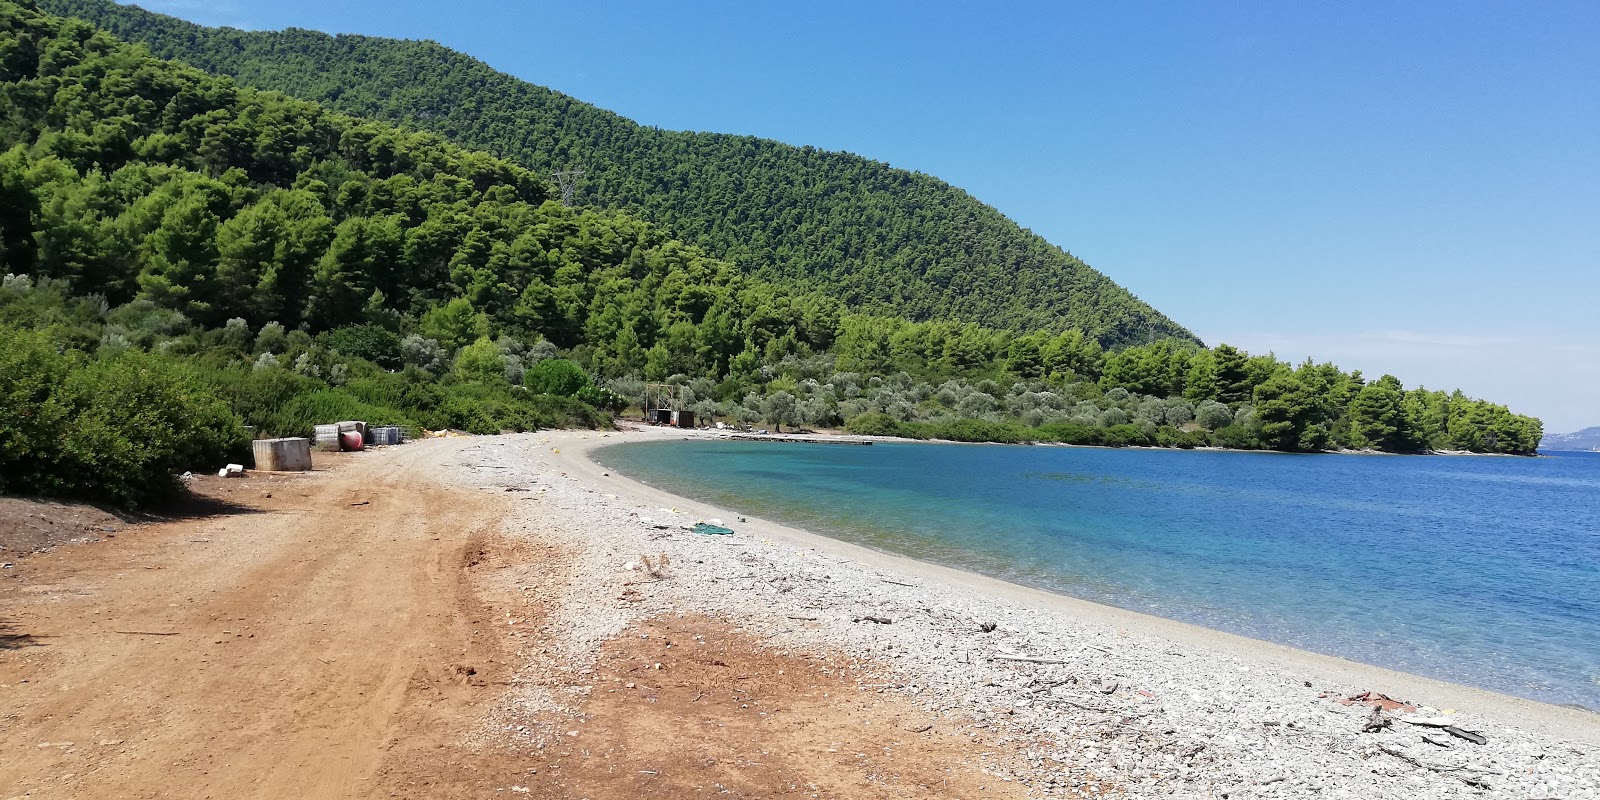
pixel 1478 570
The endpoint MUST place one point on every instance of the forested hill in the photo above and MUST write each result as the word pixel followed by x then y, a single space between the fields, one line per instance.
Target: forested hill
pixel 881 239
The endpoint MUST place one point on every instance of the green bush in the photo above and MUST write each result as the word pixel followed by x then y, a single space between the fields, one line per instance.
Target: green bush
pixel 411 390
pixel 556 376
pixel 975 430
pixel 303 412
pixel 371 342
pixel 1070 433
pixel 118 429
pixel 872 425
pixel 481 409
pixel 1238 437
pixel 1126 435
pixel 1168 436
pixel 602 398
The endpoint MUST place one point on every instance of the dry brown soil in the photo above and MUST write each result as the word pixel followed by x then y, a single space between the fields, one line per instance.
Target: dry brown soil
pixel 358 631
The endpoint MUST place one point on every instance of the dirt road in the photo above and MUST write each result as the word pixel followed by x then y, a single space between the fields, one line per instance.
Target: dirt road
pixel 344 633
pixel 264 653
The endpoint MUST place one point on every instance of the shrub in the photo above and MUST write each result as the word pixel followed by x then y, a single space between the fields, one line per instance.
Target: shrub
pixel 370 342
pixel 975 430
pixel 1126 436
pixel 1168 436
pixel 556 376
pixel 117 429
pixel 873 425
pixel 605 399
pixel 1071 433
pixel 1213 415
pixel 481 362
pixel 1236 436
pixel 477 408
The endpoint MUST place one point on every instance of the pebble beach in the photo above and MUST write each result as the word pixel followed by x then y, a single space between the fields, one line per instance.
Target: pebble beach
pixel 1079 696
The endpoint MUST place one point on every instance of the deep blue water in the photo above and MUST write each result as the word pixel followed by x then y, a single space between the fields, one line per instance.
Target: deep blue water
pixel 1483 571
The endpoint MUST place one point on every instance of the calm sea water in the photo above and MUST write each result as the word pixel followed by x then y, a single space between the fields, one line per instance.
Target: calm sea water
pixel 1483 571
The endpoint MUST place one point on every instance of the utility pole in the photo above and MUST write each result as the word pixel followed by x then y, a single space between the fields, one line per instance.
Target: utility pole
pixel 568 181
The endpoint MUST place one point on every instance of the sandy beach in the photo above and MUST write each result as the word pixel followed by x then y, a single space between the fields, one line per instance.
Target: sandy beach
pixel 1078 692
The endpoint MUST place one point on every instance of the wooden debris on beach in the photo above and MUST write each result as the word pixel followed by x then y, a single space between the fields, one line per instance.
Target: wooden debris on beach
pixel 1429 722
pixel 1028 659
pixel 1471 736
pixel 1443 769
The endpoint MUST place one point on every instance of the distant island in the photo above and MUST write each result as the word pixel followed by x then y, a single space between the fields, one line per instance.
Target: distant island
pixel 1586 439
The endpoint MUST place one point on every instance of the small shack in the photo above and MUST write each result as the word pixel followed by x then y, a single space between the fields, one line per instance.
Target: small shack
pixel 671 417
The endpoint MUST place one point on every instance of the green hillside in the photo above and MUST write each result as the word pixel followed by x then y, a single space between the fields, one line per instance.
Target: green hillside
pixel 183 257
pixel 883 240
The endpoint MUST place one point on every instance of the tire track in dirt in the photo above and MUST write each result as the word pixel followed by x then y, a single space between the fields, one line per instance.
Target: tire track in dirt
pixel 296 633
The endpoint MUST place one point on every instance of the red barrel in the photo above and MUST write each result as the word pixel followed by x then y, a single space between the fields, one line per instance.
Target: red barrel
pixel 351 440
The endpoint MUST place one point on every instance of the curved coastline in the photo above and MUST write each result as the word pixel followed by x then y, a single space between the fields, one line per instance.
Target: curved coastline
pixel 1551 720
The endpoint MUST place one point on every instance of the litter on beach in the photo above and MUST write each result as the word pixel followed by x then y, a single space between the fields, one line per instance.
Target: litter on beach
pixel 715 530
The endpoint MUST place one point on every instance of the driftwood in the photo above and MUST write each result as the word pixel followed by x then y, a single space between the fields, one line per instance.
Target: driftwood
pixel 1475 738
pixel 898 583
pixel 1075 704
pixel 1029 659
pixel 148 633
pixel 879 620
pixel 1470 780
pixel 1429 722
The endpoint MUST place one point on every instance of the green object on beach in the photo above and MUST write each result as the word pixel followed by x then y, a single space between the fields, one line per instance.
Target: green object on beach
pixel 703 527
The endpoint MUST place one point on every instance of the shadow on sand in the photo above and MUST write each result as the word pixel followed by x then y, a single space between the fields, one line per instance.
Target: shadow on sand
pixel 13 639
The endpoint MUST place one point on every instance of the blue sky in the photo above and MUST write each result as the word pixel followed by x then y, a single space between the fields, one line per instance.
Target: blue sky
pixel 1410 188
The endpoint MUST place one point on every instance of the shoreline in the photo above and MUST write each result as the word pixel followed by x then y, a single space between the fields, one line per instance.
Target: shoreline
pixel 842 437
pixel 1060 695
pixel 1558 720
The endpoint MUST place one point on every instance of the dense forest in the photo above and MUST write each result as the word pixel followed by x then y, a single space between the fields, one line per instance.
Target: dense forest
pixel 216 257
pixel 883 240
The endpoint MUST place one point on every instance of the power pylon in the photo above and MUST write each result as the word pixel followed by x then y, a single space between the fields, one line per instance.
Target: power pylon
pixel 568 181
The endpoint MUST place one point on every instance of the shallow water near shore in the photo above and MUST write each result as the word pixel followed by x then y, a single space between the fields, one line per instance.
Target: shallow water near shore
pixel 1482 571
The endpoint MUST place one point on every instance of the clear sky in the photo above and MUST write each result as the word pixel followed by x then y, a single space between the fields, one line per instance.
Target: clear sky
pixel 1397 187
